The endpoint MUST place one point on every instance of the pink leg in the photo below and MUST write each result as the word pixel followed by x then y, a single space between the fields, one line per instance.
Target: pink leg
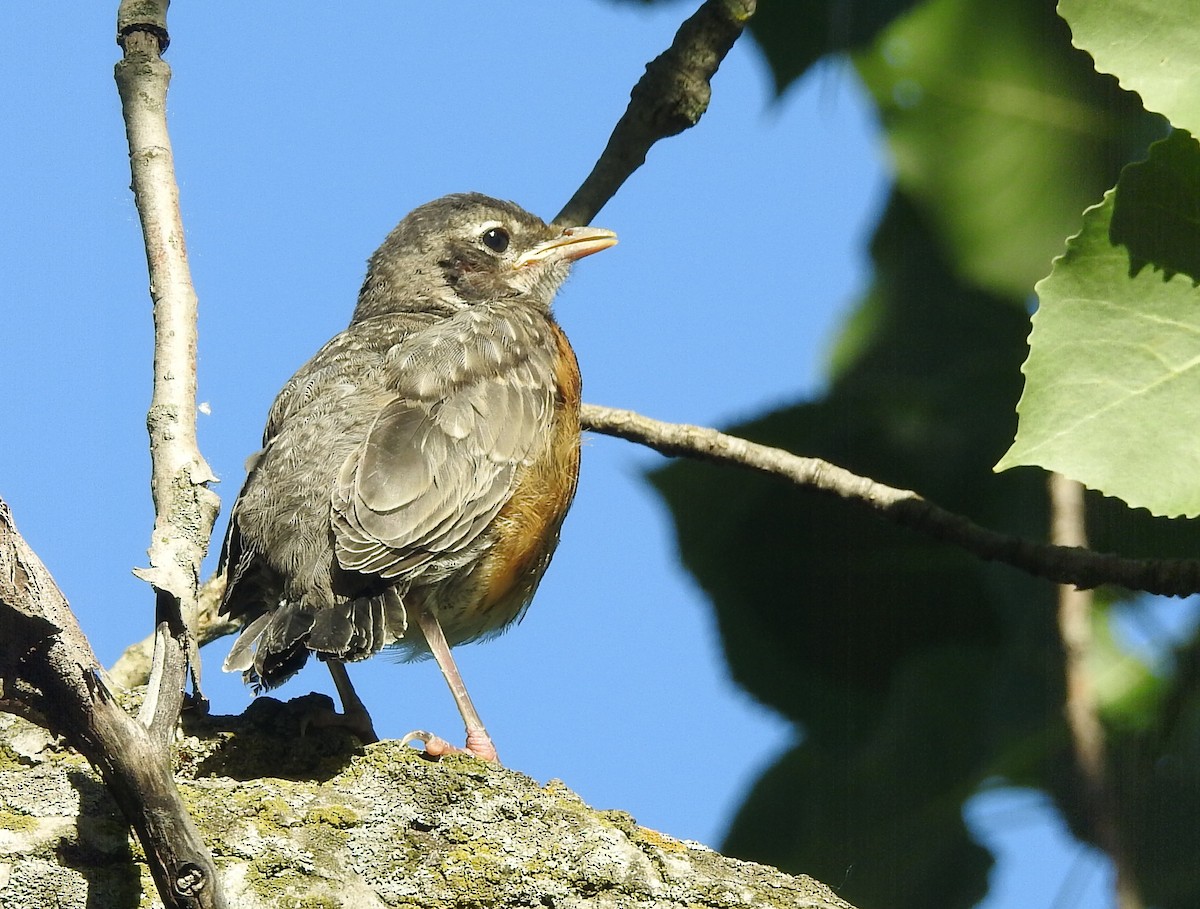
pixel 479 743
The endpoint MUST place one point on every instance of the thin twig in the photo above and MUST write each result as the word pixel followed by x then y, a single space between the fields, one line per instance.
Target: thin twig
pixel 1064 564
pixel 671 96
pixel 185 509
pixel 1068 527
pixel 1077 566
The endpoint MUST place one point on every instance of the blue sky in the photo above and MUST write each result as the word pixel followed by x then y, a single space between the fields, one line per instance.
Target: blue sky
pixel 300 140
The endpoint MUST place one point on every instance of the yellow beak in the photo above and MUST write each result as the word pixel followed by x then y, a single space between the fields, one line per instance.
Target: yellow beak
pixel 573 243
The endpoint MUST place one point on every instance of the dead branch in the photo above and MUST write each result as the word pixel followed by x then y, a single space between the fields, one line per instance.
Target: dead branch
pixel 47 664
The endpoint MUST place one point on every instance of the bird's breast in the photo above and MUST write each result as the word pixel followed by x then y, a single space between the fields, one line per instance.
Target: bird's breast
pixel 525 531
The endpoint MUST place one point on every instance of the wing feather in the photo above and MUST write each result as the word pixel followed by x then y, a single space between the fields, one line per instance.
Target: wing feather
pixel 431 476
pixel 466 403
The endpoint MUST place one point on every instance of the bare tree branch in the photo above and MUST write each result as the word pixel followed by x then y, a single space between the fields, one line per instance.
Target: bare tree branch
pixel 1073 565
pixel 672 96
pixel 185 508
pixel 47 663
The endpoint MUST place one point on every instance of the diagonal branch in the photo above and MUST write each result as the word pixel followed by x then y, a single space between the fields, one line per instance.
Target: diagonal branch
pixel 185 508
pixel 47 664
pixel 1073 565
pixel 672 96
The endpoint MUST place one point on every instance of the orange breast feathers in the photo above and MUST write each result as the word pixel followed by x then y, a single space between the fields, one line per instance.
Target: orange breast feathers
pixel 527 525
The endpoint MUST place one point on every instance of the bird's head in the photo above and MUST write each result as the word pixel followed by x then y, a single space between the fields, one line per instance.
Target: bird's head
pixel 466 249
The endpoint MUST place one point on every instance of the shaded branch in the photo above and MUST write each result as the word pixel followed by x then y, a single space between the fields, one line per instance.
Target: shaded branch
pixel 1073 565
pixel 1068 527
pixel 671 97
pixel 47 663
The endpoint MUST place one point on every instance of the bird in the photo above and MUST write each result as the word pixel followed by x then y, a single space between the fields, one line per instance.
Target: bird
pixel 415 472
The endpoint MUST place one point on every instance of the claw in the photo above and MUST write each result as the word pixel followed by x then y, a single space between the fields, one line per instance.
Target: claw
pixel 427 739
pixel 435 746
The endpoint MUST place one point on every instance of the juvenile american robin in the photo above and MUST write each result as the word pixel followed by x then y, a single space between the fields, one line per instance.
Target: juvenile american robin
pixel 415 473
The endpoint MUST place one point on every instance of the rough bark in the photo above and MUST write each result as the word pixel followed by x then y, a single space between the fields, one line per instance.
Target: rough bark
pixel 315 820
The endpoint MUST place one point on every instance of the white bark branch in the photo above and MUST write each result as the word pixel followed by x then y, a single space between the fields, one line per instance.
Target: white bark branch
pixel 185 509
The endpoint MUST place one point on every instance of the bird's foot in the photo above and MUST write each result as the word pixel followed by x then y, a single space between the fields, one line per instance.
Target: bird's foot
pixel 196 702
pixel 357 723
pixel 479 744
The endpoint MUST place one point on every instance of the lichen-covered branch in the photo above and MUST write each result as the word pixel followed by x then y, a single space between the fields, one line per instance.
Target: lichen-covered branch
pixel 670 97
pixel 185 509
pixel 1073 565
pixel 312 821
pixel 47 664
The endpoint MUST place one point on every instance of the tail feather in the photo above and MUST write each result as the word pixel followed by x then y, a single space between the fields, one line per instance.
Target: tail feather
pixel 350 631
pixel 281 649
pixel 241 654
pixel 284 629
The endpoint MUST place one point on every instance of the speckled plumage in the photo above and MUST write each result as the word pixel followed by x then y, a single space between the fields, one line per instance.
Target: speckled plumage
pixel 424 458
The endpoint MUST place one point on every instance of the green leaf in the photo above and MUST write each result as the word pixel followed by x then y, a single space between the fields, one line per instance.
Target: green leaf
pixel 794 34
pixel 1157 212
pixel 1151 46
pixel 1113 373
pixel 1154 765
pixel 840 817
pixel 889 650
pixel 1127 691
pixel 1001 131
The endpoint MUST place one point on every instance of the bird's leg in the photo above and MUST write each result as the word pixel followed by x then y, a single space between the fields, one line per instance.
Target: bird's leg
pixel 354 711
pixel 479 743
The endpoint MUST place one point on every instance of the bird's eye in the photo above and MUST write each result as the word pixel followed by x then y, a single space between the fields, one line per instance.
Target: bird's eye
pixel 495 239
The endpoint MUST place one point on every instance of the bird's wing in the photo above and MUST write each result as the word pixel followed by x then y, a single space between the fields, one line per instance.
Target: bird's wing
pixel 358 348
pixel 441 458
pixel 328 379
